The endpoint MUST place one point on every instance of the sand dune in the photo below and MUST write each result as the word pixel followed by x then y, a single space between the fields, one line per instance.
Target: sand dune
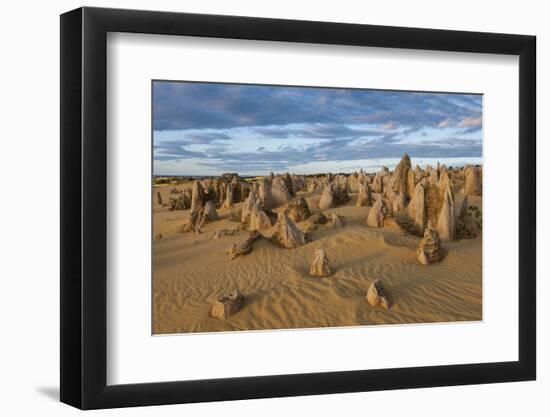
pixel 191 270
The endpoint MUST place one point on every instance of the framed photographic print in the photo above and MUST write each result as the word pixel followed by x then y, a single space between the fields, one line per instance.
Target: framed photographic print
pixel 258 207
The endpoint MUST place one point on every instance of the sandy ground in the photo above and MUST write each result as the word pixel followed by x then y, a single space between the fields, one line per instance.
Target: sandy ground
pixel 191 271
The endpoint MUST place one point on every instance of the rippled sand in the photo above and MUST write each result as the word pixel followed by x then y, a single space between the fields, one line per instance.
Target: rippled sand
pixel 191 271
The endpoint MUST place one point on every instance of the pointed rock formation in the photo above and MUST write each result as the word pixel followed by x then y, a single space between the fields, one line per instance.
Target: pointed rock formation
pixel 402 179
pixel 433 176
pixel 279 192
pixel 364 198
pixel 197 197
pixel 446 220
pixel 297 210
pixel 247 207
pixel 264 194
pixel 418 174
pixel 259 220
pixel 235 189
pixel 227 305
pixel 429 250
pixel 417 208
pixel 229 200
pixel 328 198
pixel 377 296
pixel 472 180
pixel 287 234
pixel 319 265
pixel 376 214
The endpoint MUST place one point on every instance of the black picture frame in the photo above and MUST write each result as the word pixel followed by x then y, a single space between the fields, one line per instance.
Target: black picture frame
pixel 84 207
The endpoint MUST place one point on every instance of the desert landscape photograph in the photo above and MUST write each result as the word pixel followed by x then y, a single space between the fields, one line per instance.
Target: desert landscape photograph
pixel 286 207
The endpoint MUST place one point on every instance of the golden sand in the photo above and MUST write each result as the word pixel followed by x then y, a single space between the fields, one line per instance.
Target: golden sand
pixel 191 271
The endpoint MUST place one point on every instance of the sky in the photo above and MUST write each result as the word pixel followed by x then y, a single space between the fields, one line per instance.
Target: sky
pixel 213 128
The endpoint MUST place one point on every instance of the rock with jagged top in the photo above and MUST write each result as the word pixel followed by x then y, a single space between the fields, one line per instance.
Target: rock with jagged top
pixel 402 179
pixel 247 207
pixel 376 214
pixel 444 181
pixel 418 174
pixel 429 249
pixel 227 305
pixel 287 234
pixel 197 197
pixel 297 210
pixel 333 194
pixel 446 220
pixel 259 220
pixel 377 295
pixel 177 203
pixel 244 247
pixel 364 197
pixel 320 266
pixel 433 176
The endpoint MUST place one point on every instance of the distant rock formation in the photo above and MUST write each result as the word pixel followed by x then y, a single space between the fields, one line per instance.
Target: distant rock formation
pixel 377 295
pixel 417 208
pixel 429 250
pixel 227 305
pixel 320 266
pixel 287 233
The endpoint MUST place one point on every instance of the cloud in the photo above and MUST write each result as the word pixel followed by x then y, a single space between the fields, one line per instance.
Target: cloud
pixel 269 128
pixel 470 122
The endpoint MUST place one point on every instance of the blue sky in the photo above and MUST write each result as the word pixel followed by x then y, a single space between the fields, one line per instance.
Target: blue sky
pixel 211 128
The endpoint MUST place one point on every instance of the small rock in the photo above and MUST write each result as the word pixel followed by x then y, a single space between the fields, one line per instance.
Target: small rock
pixel 320 266
pixel 377 295
pixel 227 305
